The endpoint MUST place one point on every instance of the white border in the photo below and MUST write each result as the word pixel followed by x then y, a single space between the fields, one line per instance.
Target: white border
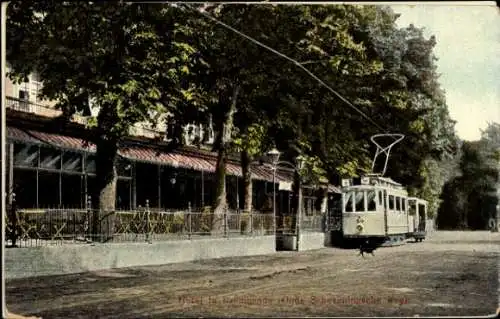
pixel 3 129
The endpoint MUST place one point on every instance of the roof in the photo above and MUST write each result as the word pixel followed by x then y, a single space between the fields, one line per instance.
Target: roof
pixel 205 161
pixel 137 153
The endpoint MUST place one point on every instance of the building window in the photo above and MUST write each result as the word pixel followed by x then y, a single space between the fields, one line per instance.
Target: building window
pixel 50 158
pixel 90 167
pixel 147 184
pixel 25 155
pixel 123 194
pixel 48 189
pixel 72 191
pixel 123 168
pixel 25 188
pixel 23 95
pixel 72 162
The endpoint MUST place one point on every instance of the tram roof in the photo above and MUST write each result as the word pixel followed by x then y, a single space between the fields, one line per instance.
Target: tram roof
pixel 378 181
pixel 417 199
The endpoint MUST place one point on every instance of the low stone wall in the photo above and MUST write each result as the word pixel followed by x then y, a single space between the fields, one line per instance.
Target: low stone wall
pixel 76 258
pixel 308 241
pixel 311 240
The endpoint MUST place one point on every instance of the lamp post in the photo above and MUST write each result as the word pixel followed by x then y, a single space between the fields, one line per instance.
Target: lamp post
pixel 300 164
pixel 274 156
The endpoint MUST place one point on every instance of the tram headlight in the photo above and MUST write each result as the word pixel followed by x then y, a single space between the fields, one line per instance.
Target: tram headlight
pixel 359 224
pixel 360 227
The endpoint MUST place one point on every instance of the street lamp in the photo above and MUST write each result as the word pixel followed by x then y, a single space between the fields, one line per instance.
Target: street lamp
pixel 274 156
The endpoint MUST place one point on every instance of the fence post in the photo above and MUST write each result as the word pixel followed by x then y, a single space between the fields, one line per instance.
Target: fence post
pixel 225 222
pixel 13 213
pixel 250 222
pixel 148 228
pixel 87 228
pixel 189 220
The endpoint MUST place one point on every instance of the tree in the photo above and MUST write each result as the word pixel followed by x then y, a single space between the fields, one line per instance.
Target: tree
pixel 129 59
pixel 476 187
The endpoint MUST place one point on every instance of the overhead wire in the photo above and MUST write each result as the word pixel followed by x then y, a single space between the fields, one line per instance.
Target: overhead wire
pixel 297 63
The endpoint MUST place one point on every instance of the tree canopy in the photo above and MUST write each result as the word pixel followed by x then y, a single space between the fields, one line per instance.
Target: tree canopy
pixel 139 62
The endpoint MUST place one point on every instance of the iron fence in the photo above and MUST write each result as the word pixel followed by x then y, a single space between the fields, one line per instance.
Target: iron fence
pixel 287 224
pixel 315 223
pixel 41 227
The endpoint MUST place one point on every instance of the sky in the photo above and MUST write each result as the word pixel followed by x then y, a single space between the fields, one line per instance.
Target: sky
pixel 468 49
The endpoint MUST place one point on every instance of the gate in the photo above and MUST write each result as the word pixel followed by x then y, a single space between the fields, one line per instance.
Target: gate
pixel 285 228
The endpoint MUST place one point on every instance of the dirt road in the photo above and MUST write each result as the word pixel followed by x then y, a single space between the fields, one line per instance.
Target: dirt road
pixel 442 276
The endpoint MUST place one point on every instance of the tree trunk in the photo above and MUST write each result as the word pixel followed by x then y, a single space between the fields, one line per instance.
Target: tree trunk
pixel 297 202
pixel 247 180
pixel 247 188
pixel 224 130
pixel 106 155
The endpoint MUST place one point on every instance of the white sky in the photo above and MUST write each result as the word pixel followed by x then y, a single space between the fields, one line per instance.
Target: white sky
pixel 468 49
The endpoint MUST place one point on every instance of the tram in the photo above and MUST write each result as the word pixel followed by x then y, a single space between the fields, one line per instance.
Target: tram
pixel 377 208
pixel 417 216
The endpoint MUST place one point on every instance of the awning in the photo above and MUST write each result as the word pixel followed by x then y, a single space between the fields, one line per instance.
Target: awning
pixel 145 154
pixel 150 155
pixel 136 153
pixel 63 141
pixel 16 134
pixel 54 140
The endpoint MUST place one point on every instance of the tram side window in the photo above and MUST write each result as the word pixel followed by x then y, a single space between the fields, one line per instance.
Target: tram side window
pixel 348 202
pixel 380 199
pixel 360 202
pixel 391 202
pixel 403 204
pixel 398 204
pixel 370 201
pixel 412 209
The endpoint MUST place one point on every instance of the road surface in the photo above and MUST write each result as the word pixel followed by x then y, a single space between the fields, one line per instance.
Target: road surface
pixel 449 274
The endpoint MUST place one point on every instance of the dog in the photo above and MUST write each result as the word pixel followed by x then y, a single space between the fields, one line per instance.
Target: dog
pixel 367 247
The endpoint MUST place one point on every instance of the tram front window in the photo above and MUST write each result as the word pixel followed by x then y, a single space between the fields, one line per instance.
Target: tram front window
pixel 359 200
pixel 348 207
pixel 370 200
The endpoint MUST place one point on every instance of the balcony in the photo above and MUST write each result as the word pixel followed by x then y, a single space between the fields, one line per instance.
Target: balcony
pixel 29 107
pixel 139 129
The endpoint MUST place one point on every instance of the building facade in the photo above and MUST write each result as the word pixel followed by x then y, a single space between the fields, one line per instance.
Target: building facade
pixel 51 165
